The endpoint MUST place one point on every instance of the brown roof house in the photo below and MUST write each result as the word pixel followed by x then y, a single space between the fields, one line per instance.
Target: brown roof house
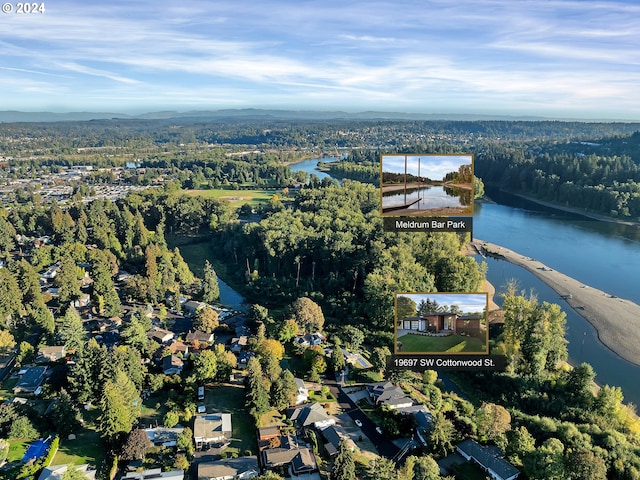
pixel 299 460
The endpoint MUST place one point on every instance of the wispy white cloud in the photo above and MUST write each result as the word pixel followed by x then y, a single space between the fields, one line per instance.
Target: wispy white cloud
pixel 576 56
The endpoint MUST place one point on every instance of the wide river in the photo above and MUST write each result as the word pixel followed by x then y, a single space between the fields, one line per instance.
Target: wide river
pixel 601 254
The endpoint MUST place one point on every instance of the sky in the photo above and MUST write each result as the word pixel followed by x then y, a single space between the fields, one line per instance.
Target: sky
pixel 557 59
pixel 434 167
pixel 468 302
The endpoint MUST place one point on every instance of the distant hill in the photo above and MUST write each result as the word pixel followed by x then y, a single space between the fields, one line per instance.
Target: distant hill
pixel 258 114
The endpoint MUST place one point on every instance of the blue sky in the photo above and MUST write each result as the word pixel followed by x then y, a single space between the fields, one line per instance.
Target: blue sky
pixel 468 302
pixel 577 59
pixel 434 167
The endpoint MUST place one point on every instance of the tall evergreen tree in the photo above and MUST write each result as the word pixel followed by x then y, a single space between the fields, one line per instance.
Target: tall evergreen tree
pixel 71 331
pixel 344 467
pixel 210 288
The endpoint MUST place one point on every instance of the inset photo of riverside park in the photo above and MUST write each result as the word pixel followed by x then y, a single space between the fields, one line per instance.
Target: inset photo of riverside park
pixel 441 323
pixel 425 184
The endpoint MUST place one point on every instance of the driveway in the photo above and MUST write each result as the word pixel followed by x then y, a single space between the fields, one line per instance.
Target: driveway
pixel 384 446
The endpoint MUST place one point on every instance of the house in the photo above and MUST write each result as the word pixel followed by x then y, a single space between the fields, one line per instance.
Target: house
pixel 83 301
pixel 155 473
pixel 303 391
pixel 192 306
pixel 309 339
pixel 172 365
pixel 268 433
pixel 31 380
pixel 50 273
pixel 160 335
pixel 57 472
pixel 239 344
pixel 490 459
pixel 179 348
pixel 442 322
pixel 332 440
pixel 300 460
pixel 164 437
pixel 309 415
pixel 51 354
pixel 211 429
pixel 229 469
pixel 386 393
pixel 199 336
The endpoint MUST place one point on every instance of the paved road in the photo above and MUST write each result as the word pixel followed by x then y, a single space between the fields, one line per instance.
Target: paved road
pixel 384 446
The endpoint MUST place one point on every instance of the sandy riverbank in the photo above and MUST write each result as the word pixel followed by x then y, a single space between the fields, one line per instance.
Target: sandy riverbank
pixel 617 320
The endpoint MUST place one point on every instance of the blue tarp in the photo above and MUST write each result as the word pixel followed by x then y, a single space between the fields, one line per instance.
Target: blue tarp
pixel 36 450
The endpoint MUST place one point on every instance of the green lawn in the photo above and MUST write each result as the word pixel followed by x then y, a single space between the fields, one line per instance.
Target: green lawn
pixel 230 399
pixel 237 198
pixel 17 449
pixel 86 448
pixel 450 344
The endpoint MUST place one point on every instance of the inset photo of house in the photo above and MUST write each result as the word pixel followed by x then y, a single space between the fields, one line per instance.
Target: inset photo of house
pixel 437 185
pixel 441 323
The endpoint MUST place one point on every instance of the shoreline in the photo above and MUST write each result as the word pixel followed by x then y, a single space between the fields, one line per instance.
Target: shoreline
pixel 616 320
pixel 577 211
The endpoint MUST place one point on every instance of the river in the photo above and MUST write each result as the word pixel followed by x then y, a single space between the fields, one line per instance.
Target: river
pixel 311 167
pixel 600 254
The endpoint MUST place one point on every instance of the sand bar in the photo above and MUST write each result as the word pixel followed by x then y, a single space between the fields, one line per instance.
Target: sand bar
pixel 617 320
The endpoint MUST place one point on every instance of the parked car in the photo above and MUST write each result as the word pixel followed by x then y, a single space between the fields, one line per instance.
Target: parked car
pixel 379 430
pixel 359 423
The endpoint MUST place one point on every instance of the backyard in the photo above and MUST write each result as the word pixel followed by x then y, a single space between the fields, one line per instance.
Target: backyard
pixel 450 344
pixel 228 398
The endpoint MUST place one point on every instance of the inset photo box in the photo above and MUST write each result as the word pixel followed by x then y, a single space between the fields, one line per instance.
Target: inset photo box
pixel 428 323
pixel 425 184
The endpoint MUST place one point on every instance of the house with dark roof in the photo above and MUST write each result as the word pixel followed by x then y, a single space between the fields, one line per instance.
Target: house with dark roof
pixel 442 322
pixel 311 415
pixel 31 380
pixel 172 365
pixel 300 460
pixel 388 394
pixel 164 437
pixel 490 459
pixel 229 468
pixel 199 336
pixel 160 335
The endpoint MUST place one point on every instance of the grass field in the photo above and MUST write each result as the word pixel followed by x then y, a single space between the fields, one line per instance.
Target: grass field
pixel 86 448
pixel 17 448
pixel 230 399
pixel 450 344
pixel 237 198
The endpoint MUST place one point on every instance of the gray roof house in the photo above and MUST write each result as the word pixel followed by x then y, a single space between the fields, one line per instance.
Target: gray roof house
pixel 229 469
pixel 31 380
pixel 211 429
pixel 57 472
pixel 490 459
pixel 172 364
pixel 309 415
